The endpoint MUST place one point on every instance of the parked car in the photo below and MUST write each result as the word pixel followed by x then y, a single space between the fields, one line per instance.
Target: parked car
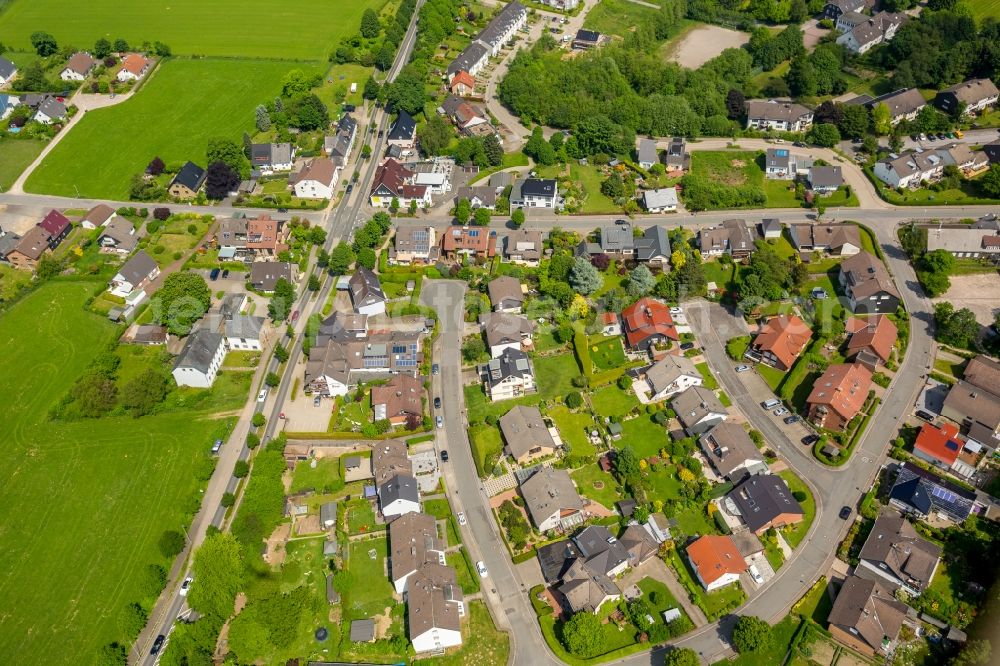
pixel 435 369
pixel 444 455
pixel 158 644
pixel 262 396
pixel 295 316
pixel 809 440
pixel 440 422
pixel 845 512
pixel 794 418
pixel 687 345
pixel 225 272
pixel 316 401
pixel 959 134
pixel 481 568
pixel 780 411
pixel 770 403
pixel 461 518
pixel 350 187
pixel 676 311
pixel 755 574
pixel 926 416
pixel 437 403
pixel 282 210
pixel 742 368
pixel 923 137
pixel 216 447
pixel 186 586
pixel 214 275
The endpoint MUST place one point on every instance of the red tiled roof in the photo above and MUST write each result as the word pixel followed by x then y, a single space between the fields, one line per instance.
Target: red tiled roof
pixel 939 443
pixel 134 63
pixel 876 333
pixel 715 556
pixel 463 77
pixel 475 239
pixel 54 223
pixel 844 388
pixel 646 318
pixel 785 336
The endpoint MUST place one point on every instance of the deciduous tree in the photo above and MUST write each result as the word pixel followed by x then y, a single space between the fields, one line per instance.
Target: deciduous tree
pixel 181 301
pixel 44 43
pixel 370 26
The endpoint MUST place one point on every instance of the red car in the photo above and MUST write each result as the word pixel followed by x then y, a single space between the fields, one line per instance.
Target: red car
pixel 295 316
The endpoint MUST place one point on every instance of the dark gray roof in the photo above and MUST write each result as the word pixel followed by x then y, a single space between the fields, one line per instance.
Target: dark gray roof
pixel 362 631
pixel 403 128
pixel 696 403
pixel 191 176
pixel 901 102
pixel 401 486
pixel 265 274
pixel 617 237
pixel 52 108
pixel 523 429
pixel 588 36
pixel 472 53
pixel 511 363
pixel 654 242
pixel 761 499
pixel 7 68
pixel 923 491
pixel 365 288
pixel 138 268
pixel 538 187
pixel 199 350
pixel 779 158
pixel 905 554
pixel 500 24
pixel 869 609
pixel 555 559
pixel 8 241
pixel 826 176
pixel 647 150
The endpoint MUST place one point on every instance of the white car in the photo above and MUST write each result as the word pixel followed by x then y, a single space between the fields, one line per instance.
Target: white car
pixel 440 422
pixel 675 311
pixel 481 568
pixel 461 518
pixel 780 411
pixel 262 396
pixel 742 368
pixel 755 574
pixel 186 586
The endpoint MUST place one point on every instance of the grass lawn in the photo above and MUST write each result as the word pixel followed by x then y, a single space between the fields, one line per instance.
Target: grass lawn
pixel 486 441
pixel 467 580
pixel 645 436
pixel 241 359
pixel 337 87
pixel 92 497
pixel 297 29
pixel 15 156
pixel 664 484
pixel 841 199
pixel 795 533
pixel 693 520
pixel 360 517
pixel 325 477
pixel 482 642
pixel 618 17
pixel 439 508
pixel 782 634
pixel 613 401
pixel 555 375
pixel 781 194
pixel 546 341
pixel 100 155
pixel 815 604
pixel 588 179
pixel 774 555
pixel 609 353
pixel 573 430
pixel 371 592
pixel 598 485
pixel 728 167
pixel 772 376
pixel 709 379
pixel 723 275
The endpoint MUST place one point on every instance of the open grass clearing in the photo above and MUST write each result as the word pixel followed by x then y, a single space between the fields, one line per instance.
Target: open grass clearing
pixel 15 156
pixel 93 496
pixel 613 401
pixel 178 110
pixel 486 445
pixel 617 17
pixel 371 592
pixel 296 29
pixel 574 429
pixel 728 167
pixel 324 477
pixel 467 579
pixel 644 436
pixel 360 517
pixel 607 353
pixel 598 485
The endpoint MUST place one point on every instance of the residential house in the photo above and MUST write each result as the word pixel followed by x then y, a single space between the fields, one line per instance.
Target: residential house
pixel 366 293
pixel 413 543
pixel 400 400
pixel 780 341
pixel 8 71
pixel 611 323
pixel 134 67
pixel 866 617
pixel 119 236
pixel 586 590
pixel 526 434
pixel 869 288
pixel 241 332
pixel 461 113
pixel 763 114
pixel 462 84
pixel 50 111
pixel 839 395
pixel 909 169
pixel 264 236
pixel 231 237
pixel 564 5
pixel 676 158
pixel 942 447
pixel 503 27
pixel 136 273
pixel 478 196
pixel 770 228
pixel 841 240
pixel 870 32
pixel 616 240
pixel 7 104
pixel 671 375
pixel 470 61
pixel 976 410
pixel 338 147
pixel 316 180
pixel 270 157
pixel 509 375
pixel 646 153
pixel 555 559
pixel 698 410
pixel 639 542
pixel 984 372
pixel 834 8
pixel 523 247
pixel 715 561
pixel 921 493
pixel 471 241
pixel 871 340
pixel 58 227
pixel 29 249
pixel 397 490
pixel 970 162
pixel 584 40
pixel 199 361
pixel 662 200
pixel 825 179
pixel 992 149
pixel 535 193
pixel 647 323
pixel 506 294
pixel 903 104
pixel 653 247
pixel 414 245
pixel 731 453
pixel 98 216
pixel 391 184
pixel 434 609
pixel 763 502
pixel 897 557
pixel 8 242
pixel 403 132
pixel 328 514
pixel 734 238
pixel 779 163
pixel 972 96
pixel 264 275
pixel 78 67
pixel 187 182
pixel 601 551
pixel 551 500
pixel 150 334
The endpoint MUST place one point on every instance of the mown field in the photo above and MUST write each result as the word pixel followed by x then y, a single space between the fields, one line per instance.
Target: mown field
pixel 15 156
pixel 186 103
pixel 84 502
pixel 985 9
pixel 292 29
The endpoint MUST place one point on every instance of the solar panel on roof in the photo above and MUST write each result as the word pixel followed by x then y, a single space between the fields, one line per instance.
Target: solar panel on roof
pixel 951 445
pixel 943 495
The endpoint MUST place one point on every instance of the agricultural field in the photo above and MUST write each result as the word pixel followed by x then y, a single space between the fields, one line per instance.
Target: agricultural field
pixel 982 9
pixel 15 156
pixel 617 17
pixel 181 107
pixel 296 29
pixel 91 497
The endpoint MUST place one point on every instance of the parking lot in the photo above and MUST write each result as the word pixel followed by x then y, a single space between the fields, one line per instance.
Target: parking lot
pixel 757 387
pixel 302 416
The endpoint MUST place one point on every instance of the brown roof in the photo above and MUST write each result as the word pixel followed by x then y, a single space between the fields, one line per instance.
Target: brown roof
pixel 523 429
pixel 870 609
pixel 715 556
pixel 504 288
pixel 80 62
pixel 728 447
pixel 413 542
pixel 432 600
pixel 907 556
pixel 976 403
pixel 876 334
pixel 867 276
pixel 984 372
pixel 34 243
pixel 475 239
pixel 835 236
pixel 785 336
pixel 389 459
pixel 99 214
pixel 402 396
pixel 844 388
pixel 265 233
pixel 319 169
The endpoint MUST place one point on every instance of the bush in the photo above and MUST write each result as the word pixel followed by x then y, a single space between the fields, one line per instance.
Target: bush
pixel 624 382
pixel 171 544
pixel 799 495
pixel 253 441
pixel 574 400
pixel 241 469
pixel 228 499
pixel 258 420
pixel 160 214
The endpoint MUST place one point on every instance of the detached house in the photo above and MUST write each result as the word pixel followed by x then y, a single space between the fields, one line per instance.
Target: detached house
pixel 671 375
pixel 825 179
pixel 676 158
pixel 646 323
pixel 509 375
pixel 397 489
pixel 413 543
pixel 403 133
pixel 399 400
pixel 506 294
pixel 862 33
pixel 551 500
pixel 698 410
pixel 834 8
pixel 478 196
pixel 976 410
pixel 763 502
pixel 942 447
pixel 779 163
pixel 869 287
pixel 909 169
pixel 715 561
pixel 523 247
pixel 866 617
pixel 842 240
pixel 903 104
pixel 772 114
pixel 526 434
pixel 921 493
pixel 78 67
pixel 8 71
pixel 871 340
pixel 471 241
pixel 270 157
pixel 316 180
pixel 535 193
pixel 461 113
pixel 730 451
pixel 187 182
pixel 662 200
pixel 50 111
pixel 506 331
pixel 975 94
pixel 392 183
pixel 414 245
pixel 58 227
pixel 734 238
pixel 29 249
pixel 839 395
pixel 135 274
pixel 134 67
pixel 366 292
pixel 200 360
pixel 897 557
pixel 118 236
pixel 646 153
pixel 781 340
pixel 653 247
pixel 434 609
pixel 264 275
pixel 98 216
pixel 266 237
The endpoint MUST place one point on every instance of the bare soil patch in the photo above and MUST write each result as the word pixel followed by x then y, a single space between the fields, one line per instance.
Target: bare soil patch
pixel 700 45
pixel 980 292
